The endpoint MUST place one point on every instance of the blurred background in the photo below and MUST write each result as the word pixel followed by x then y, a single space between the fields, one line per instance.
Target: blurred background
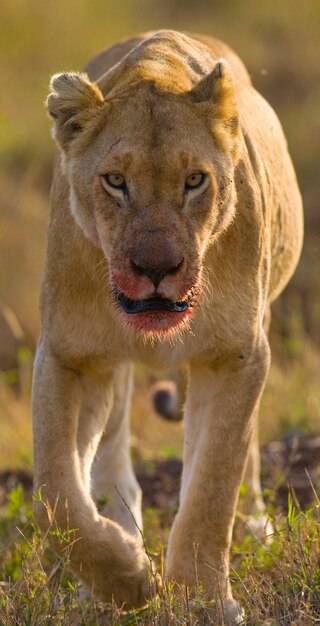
pixel 280 44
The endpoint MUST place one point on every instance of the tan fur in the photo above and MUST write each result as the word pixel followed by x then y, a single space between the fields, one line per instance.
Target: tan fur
pixel 162 106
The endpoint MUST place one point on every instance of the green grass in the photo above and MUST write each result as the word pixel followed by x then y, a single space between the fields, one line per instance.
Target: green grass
pixel 277 584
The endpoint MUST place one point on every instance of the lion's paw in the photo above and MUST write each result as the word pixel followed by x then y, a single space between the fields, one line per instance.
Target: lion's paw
pixel 135 592
pixel 130 590
pixel 115 567
pixel 260 527
pixel 227 612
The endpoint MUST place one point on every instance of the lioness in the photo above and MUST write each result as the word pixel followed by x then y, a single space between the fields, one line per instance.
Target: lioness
pixel 176 219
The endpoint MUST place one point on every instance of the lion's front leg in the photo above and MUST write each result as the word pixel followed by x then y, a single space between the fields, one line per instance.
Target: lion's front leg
pixel 222 401
pixel 110 562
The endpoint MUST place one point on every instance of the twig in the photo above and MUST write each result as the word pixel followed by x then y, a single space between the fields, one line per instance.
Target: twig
pixel 141 534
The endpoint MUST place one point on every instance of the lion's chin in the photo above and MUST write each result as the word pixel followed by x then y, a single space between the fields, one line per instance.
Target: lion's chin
pixel 156 323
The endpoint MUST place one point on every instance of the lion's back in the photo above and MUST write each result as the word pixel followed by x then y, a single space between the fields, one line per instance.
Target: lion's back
pixel 110 56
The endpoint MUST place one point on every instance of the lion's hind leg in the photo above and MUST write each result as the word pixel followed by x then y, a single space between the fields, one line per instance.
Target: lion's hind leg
pixel 252 510
pixel 251 506
pixel 114 485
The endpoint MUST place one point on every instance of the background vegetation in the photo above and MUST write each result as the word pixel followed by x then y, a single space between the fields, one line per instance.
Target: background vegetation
pixel 280 44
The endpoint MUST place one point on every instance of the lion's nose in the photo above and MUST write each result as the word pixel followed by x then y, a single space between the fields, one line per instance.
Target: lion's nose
pixel 156 261
pixel 156 274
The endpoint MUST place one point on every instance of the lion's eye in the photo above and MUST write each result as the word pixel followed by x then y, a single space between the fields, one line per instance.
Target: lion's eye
pixel 115 180
pixel 194 180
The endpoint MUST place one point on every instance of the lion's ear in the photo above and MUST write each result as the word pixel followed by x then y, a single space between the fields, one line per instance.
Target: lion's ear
pixel 72 102
pixel 216 93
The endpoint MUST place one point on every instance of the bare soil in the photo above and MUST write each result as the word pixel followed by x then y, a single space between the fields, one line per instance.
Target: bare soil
pixel 293 463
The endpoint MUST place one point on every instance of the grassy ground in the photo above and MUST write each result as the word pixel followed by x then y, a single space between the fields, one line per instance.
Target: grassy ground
pixel 277 584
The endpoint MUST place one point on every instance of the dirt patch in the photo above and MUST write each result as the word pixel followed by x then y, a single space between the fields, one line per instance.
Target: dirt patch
pixel 293 462
pixel 9 479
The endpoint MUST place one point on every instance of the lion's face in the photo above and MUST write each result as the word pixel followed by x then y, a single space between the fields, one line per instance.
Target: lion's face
pixel 151 184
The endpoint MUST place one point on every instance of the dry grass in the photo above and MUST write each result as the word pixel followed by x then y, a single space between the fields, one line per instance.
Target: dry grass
pixel 291 403
pixel 15 440
pixel 277 584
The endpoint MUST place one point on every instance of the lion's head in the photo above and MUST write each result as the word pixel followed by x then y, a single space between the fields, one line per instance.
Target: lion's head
pixel 149 151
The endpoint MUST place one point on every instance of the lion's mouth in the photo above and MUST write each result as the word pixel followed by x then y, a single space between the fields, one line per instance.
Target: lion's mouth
pixel 155 303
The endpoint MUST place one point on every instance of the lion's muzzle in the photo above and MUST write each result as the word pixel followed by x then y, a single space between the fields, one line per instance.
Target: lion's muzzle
pixel 154 290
